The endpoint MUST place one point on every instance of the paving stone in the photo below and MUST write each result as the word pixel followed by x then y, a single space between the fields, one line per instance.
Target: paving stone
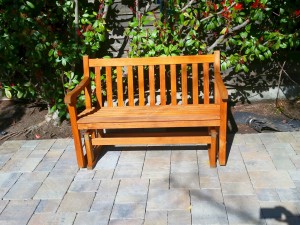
pixel 184 167
pixel 296 136
pixel 128 211
pixel 296 147
pixel 184 180
pixel 85 174
pixel 288 194
pixel 238 139
pixel 260 165
pixel 210 183
pixel 8 179
pixel 21 154
pixel 126 222
pixel 53 188
pixel 237 188
pixel 243 209
pixel 280 149
pixel 108 161
pixel 84 186
pixel 3 204
pixel 268 138
pixel 38 154
pixel 160 183
pixel 271 179
pixel 295 175
pixel 48 206
pixel 53 155
pixel 154 153
pixel 105 196
pixel 156 218
pixel 234 176
pixel 4 158
pixel 284 164
pixel 252 139
pixel 156 164
pixel 74 202
pixel 132 191
pixel 252 147
pixel 236 166
pixel 285 137
pixel 130 170
pixel 61 143
pixel 132 155
pixel 206 171
pixel 92 218
pixel 102 174
pixel 184 156
pixel 21 165
pixel 209 212
pixel 22 190
pixel 179 217
pixel 211 195
pixel 291 220
pixel 18 212
pixel 30 143
pixel 35 176
pixel 13 144
pixel 52 218
pixel 45 144
pixel 255 155
pixel 45 165
pixel 266 194
pixel 173 199
pixel 296 161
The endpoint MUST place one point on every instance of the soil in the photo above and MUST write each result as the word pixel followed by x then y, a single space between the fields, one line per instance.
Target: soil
pixel 26 121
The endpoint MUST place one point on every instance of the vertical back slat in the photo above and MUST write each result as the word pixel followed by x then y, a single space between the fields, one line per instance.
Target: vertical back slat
pixel 195 83
pixel 130 86
pixel 109 86
pixel 152 85
pixel 162 82
pixel 120 86
pixel 206 82
pixel 184 84
pixel 98 86
pixel 141 85
pixel 173 85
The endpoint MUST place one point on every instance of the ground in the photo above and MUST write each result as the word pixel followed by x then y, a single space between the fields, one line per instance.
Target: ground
pixel 19 120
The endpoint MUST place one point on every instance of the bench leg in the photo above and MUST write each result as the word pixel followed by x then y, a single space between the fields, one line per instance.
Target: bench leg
pixel 212 150
pixel 91 151
pixel 81 159
pixel 222 146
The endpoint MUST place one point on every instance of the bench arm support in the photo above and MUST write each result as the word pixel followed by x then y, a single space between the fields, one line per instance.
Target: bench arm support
pixel 222 91
pixel 71 97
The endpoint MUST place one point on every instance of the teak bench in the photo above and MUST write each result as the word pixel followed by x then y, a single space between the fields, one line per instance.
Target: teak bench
pixel 182 97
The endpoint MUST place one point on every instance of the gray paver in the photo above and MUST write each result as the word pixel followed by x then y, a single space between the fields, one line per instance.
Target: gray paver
pixel 210 183
pixel 179 217
pixel 267 194
pixel 173 199
pixel 52 218
pixel 243 210
pixel 74 202
pixel 92 218
pixel 126 222
pixel 288 194
pixel 211 195
pixel 18 212
pixel 48 206
pixel 237 188
pixel 271 179
pixel 128 211
pixel 84 186
pixel 156 218
pixel 3 204
pixel 22 190
pixel 184 180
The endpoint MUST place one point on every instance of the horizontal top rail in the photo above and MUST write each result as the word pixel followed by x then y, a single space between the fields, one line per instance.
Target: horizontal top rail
pixel 167 60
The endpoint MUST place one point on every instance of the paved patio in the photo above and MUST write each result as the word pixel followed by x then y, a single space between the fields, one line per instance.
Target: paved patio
pixel 41 184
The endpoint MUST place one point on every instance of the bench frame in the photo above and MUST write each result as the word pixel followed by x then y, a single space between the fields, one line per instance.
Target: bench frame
pixel 95 136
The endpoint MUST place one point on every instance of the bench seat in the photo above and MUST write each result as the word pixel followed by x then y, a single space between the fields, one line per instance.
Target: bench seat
pixel 150 117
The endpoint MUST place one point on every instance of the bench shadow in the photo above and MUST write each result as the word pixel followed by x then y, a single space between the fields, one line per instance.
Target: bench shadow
pixel 280 214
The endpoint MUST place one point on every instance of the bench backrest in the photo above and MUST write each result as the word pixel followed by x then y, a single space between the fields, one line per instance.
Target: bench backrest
pixel 153 81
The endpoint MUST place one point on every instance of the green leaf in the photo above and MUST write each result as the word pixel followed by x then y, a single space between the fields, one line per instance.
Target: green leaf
pixel 19 94
pixel 63 61
pixel 8 93
pixel 224 66
pixel 244 34
pixel 30 4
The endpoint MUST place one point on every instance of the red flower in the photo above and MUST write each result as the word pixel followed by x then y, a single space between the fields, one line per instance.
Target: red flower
pixel 297 12
pixel 255 4
pixel 215 7
pixel 238 6
pixel 59 53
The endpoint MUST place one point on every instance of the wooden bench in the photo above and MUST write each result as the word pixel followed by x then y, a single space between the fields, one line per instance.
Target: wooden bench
pixel 181 99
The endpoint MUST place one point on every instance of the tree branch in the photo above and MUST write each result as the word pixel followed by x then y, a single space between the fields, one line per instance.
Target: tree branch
pixel 231 30
pixel 218 13
pixel 187 5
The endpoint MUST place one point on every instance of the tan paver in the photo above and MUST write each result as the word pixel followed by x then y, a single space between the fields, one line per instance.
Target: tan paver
pixel 92 218
pixel 73 202
pixel 128 211
pixel 271 179
pixel 156 218
pixel 52 218
pixel 179 217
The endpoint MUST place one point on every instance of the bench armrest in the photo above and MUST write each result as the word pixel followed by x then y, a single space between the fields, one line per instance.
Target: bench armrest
pixel 221 87
pixel 71 97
